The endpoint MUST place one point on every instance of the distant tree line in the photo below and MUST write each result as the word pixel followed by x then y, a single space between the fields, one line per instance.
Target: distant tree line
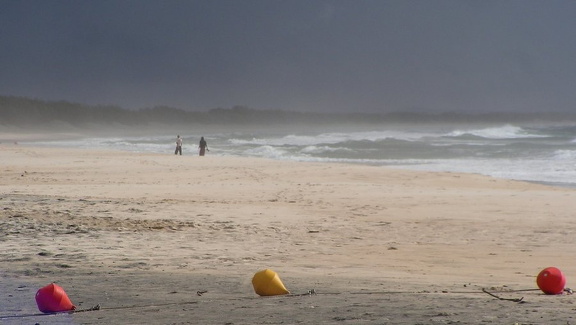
pixel 22 111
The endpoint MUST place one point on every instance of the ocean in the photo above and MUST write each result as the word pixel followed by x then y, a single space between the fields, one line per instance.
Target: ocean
pixel 543 154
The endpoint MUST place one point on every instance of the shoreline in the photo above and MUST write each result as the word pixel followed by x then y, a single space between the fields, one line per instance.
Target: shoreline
pixel 554 184
pixel 57 137
pixel 125 229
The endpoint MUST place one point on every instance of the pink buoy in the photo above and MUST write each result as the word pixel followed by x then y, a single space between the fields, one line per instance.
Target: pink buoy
pixel 52 299
pixel 551 281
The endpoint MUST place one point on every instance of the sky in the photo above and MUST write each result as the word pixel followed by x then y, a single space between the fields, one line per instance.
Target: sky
pixel 301 55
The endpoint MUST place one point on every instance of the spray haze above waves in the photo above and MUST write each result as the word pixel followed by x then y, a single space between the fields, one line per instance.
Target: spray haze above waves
pixel 525 146
pixel 503 132
pixel 544 153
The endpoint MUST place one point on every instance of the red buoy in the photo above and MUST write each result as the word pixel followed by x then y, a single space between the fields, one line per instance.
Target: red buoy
pixel 52 299
pixel 551 281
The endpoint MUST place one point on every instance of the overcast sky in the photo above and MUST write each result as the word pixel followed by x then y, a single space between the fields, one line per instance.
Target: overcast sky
pixel 311 55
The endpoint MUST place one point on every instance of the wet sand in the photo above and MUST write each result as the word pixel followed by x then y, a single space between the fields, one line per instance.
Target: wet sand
pixel 163 239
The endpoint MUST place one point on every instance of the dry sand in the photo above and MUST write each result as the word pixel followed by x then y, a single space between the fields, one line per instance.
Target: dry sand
pixel 142 234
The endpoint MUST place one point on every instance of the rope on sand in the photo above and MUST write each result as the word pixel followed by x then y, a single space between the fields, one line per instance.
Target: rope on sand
pixel 98 307
pixel 500 298
pixel 311 292
pixel 199 293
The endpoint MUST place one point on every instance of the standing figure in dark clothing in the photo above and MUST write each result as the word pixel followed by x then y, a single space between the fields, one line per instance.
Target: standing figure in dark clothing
pixel 178 146
pixel 203 146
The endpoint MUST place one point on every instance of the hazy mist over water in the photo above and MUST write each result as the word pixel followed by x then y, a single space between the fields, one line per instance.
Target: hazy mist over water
pixel 443 85
pixel 539 153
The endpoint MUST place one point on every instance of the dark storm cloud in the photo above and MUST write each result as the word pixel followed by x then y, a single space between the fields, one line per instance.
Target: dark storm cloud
pixel 296 55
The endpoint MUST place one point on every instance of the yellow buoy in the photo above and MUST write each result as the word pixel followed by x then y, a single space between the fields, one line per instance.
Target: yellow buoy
pixel 268 283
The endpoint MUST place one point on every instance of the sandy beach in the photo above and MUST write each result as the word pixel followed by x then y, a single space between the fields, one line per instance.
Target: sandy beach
pixel 164 239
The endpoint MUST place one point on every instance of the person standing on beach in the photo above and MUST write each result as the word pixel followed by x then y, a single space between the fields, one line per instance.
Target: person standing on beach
pixel 203 146
pixel 178 145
